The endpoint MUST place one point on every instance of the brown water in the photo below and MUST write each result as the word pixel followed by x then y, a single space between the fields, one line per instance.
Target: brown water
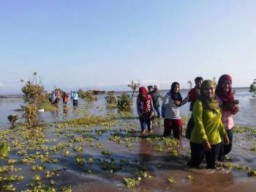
pixel 129 155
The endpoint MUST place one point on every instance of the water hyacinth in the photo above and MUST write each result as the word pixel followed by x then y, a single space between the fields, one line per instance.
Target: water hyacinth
pixel 4 150
pixel 131 182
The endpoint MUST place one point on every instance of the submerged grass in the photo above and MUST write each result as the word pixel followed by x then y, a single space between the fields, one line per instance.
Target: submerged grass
pixel 91 121
pixel 244 129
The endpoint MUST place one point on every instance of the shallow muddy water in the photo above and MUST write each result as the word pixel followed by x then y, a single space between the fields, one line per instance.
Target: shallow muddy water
pixel 100 157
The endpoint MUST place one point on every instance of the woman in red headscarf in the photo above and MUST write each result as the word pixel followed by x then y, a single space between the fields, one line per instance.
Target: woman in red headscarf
pixel 229 107
pixel 145 109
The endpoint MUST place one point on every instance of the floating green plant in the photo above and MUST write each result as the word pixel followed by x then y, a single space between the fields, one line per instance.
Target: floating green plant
pixel 131 182
pixel 251 172
pixel 4 150
pixel 66 189
pixel 79 160
pixel 189 177
pixel 89 120
pixel 38 168
pixel 171 180
pixel 106 153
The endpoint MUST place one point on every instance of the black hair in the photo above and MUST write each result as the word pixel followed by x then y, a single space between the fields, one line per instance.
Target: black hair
pixel 199 79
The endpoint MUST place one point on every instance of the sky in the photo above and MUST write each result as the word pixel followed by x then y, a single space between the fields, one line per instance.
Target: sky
pixel 104 44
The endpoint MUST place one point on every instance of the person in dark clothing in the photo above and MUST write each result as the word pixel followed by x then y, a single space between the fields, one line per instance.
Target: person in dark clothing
pixel 150 89
pixel 65 98
pixel 155 97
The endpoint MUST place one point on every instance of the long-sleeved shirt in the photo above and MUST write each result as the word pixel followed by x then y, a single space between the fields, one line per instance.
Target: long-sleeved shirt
pixel 155 97
pixel 207 125
pixel 169 109
pixel 227 117
pixel 141 106
pixel 193 95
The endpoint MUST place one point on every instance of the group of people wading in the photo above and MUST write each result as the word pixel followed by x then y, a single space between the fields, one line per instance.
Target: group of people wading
pixel 210 125
pixel 56 95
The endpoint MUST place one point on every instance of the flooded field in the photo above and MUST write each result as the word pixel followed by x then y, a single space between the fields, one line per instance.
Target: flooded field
pixel 107 152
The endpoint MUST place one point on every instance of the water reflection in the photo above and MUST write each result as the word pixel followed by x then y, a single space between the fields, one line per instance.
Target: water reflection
pixel 65 110
pixel 145 153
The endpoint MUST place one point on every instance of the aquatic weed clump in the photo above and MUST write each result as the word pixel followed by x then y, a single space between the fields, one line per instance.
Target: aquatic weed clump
pixel 131 182
pixel 91 120
pixel 244 129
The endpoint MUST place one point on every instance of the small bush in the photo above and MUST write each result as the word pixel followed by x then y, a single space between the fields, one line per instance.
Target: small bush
pixel 87 95
pixel 111 99
pixel 124 102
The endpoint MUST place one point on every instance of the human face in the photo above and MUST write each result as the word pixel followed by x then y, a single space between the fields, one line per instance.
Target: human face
pixel 226 86
pixel 209 91
pixel 198 83
pixel 176 89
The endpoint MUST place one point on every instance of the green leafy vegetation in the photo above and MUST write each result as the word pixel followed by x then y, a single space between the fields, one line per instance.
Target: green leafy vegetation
pixel 111 100
pixel 87 95
pixel 35 97
pixel 132 182
pixel 124 102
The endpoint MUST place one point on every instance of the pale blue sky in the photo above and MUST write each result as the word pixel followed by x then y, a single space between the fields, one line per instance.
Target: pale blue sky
pixel 106 43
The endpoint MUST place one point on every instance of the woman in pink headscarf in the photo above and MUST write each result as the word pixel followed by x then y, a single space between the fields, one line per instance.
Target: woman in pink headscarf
pixel 229 107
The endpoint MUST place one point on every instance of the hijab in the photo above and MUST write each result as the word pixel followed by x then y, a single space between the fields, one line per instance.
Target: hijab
pixel 228 97
pixel 208 103
pixel 175 96
pixel 146 100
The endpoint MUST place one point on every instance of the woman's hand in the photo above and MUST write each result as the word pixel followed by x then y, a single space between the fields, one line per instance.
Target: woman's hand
pixel 226 140
pixel 177 102
pixel 207 146
pixel 235 108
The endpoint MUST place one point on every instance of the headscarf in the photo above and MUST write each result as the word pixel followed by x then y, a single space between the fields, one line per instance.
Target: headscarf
pixel 146 100
pixel 142 91
pixel 175 96
pixel 226 98
pixel 208 103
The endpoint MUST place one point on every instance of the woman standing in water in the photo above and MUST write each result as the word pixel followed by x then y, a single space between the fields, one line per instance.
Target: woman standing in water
pixel 145 110
pixel 229 107
pixel 208 128
pixel 171 111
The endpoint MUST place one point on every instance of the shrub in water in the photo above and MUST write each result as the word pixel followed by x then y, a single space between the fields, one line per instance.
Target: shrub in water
pixel 34 96
pixel 111 99
pixel 124 102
